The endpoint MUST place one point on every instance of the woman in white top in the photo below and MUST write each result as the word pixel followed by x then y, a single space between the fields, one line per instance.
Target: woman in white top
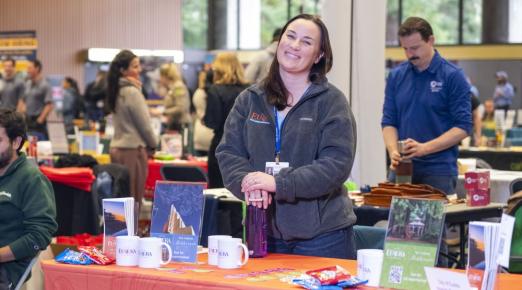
pixel 202 134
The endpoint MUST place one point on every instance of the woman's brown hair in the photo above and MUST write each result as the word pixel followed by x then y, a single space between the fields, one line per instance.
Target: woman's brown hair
pixel 275 89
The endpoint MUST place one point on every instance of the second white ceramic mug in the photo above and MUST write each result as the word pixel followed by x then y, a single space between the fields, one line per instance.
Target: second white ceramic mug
pixel 150 253
pixel 229 254
pixel 213 248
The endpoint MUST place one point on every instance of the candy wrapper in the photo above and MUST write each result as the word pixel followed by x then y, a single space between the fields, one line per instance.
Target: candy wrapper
pixel 352 282
pixel 330 278
pixel 330 275
pixel 69 256
pixel 307 281
pixel 96 255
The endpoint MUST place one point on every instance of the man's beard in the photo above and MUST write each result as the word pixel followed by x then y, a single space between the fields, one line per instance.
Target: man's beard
pixel 5 157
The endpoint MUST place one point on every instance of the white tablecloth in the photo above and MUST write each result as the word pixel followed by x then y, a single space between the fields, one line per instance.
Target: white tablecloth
pixel 499 183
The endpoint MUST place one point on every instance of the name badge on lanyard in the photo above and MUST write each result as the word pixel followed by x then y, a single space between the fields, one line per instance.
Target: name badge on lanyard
pixel 273 168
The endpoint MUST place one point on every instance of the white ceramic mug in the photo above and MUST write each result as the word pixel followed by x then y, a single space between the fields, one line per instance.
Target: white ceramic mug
pixel 229 253
pixel 213 248
pixel 369 265
pixel 127 250
pixel 150 253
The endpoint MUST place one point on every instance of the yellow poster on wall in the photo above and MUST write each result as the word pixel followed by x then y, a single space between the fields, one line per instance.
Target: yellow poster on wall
pixel 18 45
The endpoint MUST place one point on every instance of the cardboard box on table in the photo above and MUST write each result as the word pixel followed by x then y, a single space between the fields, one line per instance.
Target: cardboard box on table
pixel 477 185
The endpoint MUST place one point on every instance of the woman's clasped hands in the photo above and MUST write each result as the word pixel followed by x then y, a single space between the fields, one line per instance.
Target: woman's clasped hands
pixel 258 187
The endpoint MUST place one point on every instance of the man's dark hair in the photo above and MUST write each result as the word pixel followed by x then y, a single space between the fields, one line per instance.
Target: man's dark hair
pixel 37 64
pixel 416 24
pixel 277 34
pixel 14 125
pixel 9 59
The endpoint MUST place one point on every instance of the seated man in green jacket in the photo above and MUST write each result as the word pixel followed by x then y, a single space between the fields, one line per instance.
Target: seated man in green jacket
pixel 27 207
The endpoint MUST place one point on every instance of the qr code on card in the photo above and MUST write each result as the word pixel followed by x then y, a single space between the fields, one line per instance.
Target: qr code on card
pixel 395 276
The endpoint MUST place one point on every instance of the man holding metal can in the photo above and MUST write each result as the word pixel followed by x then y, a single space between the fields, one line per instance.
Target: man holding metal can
pixel 427 106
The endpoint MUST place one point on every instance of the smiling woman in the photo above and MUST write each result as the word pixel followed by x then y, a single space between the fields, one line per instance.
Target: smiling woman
pixel 296 118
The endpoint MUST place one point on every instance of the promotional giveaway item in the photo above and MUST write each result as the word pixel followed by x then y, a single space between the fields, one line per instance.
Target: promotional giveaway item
pixel 229 253
pixel 256 231
pixel 478 189
pixel 213 248
pixel 150 253
pixel 369 265
pixel 256 219
pixel 127 250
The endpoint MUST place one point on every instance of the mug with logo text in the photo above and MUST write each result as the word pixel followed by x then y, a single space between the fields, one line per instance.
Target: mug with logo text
pixel 230 253
pixel 369 265
pixel 150 253
pixel 127 248
pixel 213 248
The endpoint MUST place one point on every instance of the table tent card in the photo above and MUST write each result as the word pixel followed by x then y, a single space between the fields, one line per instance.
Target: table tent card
pixel 176 217
pixel 118 220
pixel 446 279
pixel 412 242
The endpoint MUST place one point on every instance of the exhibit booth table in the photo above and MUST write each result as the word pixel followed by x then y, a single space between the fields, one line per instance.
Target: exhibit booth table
pixel 498 158
pixel 264 273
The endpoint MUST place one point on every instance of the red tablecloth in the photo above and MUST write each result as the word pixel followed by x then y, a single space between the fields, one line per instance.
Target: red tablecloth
pixel 199 276
pixel 155 173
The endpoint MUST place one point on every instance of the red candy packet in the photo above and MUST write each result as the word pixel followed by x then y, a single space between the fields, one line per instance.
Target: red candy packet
pixel 330 275
pixel 95 255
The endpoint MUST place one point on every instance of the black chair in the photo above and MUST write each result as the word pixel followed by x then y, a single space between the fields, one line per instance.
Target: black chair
pixel 367 237
pixel 515 186
pixel 210 221
pixel 181 172
pixel 76 211
pixel 222 215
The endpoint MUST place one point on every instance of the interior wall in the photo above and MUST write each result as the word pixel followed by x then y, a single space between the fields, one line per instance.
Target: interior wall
pixel 358 71
pixel 368 78
pixel 65 28
pixel 482 73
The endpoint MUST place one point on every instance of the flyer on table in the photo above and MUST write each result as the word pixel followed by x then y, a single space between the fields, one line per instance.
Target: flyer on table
pixel 412 241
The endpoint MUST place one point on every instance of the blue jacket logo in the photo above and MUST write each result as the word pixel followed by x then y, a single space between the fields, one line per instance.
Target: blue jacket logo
pixel 435 86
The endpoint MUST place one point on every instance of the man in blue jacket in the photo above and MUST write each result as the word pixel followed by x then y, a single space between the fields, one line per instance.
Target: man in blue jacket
pixel 427 104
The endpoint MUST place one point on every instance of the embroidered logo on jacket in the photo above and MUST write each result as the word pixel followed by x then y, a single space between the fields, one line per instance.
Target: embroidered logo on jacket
pixel 7 194
pixel 259 118
pixel 435 86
